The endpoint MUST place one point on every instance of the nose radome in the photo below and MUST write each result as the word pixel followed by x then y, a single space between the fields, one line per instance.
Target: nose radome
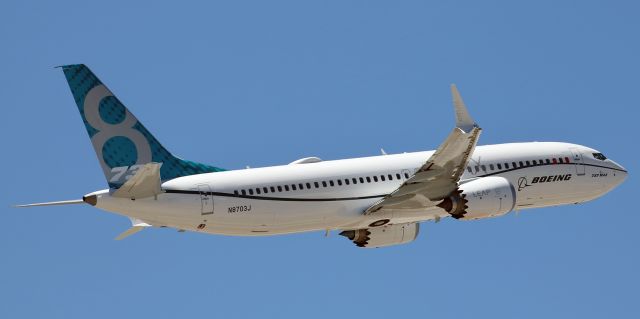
pixel 618 166
pixel 621 173
pixel 624 175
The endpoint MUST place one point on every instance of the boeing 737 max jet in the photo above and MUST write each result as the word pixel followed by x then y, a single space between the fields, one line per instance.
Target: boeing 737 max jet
pixel 374 201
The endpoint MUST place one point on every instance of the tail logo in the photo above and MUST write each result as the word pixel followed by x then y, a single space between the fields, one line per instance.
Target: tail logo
pixel 115 133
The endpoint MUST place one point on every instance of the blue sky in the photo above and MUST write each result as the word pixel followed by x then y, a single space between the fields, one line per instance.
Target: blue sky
pixel 240 83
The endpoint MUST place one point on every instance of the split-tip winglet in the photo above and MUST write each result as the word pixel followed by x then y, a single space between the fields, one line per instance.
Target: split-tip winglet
pixel 463 119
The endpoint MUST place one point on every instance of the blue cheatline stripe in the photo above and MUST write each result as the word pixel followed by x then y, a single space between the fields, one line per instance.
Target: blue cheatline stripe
pixel 331 199
pixel 284 199
pixel 551 164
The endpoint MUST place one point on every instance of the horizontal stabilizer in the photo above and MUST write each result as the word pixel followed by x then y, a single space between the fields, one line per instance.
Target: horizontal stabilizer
pixel 137 225
pixel 63 202
pixel 144 183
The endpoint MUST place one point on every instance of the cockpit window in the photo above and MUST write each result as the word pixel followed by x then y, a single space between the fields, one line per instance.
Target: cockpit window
pixel 599 156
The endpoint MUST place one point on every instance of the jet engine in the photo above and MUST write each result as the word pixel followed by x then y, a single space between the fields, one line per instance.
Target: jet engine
pixel 382 236
pixel 481 198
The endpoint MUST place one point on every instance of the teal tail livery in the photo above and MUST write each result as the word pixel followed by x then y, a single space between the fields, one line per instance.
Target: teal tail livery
pixel 121 142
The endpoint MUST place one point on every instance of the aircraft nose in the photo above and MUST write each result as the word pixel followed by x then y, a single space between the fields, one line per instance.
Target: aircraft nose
pixel 620 173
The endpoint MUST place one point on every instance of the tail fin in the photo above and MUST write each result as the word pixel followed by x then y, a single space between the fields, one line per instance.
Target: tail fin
pixel 121 142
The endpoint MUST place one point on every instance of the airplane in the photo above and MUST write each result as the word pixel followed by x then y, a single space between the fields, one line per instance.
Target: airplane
pixel 373 201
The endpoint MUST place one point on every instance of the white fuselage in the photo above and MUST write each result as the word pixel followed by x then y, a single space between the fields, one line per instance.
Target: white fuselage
pixel 329 195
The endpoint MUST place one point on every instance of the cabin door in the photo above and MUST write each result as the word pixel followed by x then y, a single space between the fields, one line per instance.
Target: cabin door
pixel 578 161
pixel 206 199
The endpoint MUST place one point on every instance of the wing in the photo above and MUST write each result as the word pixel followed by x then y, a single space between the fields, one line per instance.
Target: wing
pixel 439 176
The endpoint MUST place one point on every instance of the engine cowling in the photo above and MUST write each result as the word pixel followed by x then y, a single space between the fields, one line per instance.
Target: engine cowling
pixel 382 236
pixel 481 198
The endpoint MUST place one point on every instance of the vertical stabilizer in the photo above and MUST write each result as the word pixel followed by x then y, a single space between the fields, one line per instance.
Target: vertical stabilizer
pixel 121 142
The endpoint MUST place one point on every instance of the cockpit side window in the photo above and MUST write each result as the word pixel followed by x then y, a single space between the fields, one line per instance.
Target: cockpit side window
pixel 599 156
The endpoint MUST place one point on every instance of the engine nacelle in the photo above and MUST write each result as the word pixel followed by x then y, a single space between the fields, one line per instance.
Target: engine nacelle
pixel 382 236
pixel 481 198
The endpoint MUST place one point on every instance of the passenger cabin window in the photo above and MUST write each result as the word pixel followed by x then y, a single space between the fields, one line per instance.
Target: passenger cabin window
pixel 560 160
pixel 355 181
pixel 528 163
pixel 308 185
pixel 368 179
pixel 375 179
pixel 390 177
pixel 361 180
pixel 491 167
pixel 535 162
pixel 339 182
pixel 244 192
pixel 521 164
pixel 382 178
pixel 499 166
pixel 324 184
pixel 346 181
pixel 484 168
pixel 265 189
pixel 397 176
pixel 286 188
pixel 250 191
pixel 469 169
pixel 599 156
pixel 293 187
pixel 406 175
pixel 235 192
pixel 548 161
pixel 279 188
pixel 331 183
pixel 258 191
pixel 506 165
pixel 273 189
